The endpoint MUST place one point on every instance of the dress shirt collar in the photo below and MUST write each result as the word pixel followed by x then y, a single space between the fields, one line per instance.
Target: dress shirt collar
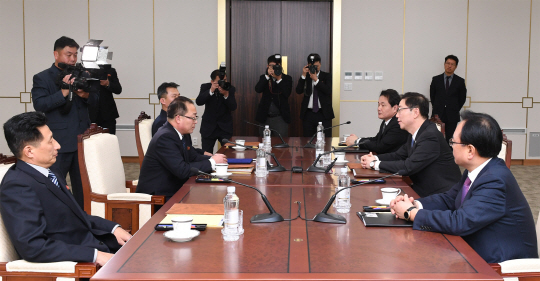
pixel 180 135
pixel 40 169
pixel 415 133
pixel 386 122
pixel 474 173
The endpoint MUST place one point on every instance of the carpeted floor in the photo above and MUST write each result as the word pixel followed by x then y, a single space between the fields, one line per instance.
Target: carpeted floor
pixel 525 175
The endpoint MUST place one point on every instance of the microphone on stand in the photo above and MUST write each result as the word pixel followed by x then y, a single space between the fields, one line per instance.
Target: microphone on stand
pixel 281 145
pixel 278 168
pixel 324 216
pixel 309 144
pixel 314 168
pixel 273 216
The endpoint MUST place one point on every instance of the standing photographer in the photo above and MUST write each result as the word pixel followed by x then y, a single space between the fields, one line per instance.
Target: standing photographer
pixel 105 112
pixel 316 85
pixel 218 99
pixel 66 109
pixel 276 88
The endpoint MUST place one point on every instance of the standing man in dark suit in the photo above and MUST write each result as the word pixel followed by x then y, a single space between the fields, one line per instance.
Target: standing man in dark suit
pixel 66 111
pixel 217 119
pixel 486 207
pixel 105 113
pixel 390 136
pixel 316 85
pixel 448 93
pixel 166 93
pixel 276 88
pixel 168 160
pixel 43 220
pixel 426 157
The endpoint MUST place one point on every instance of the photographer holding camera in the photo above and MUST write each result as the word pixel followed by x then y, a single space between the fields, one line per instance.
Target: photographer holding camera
pixel 218 99
pixel 65 103
pixel 276 88
pixel 316 85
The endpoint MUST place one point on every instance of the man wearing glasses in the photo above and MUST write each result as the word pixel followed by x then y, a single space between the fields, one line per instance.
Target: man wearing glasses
pixel 426 157
pixel 168 160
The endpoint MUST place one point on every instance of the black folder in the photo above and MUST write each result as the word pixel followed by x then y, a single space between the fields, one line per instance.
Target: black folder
pixel 382 219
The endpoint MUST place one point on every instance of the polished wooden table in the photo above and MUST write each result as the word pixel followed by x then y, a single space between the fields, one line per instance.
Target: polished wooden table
pixel 298 249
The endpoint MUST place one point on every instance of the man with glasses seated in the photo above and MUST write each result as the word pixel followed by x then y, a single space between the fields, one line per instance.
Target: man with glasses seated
pixel 168 160
pixel 426 157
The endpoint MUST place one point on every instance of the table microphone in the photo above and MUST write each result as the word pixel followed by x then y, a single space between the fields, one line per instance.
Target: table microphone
pixel 314 168
pixel 324 216
pixel 277 168
pixel 281 145
pixel 309 144
pixel 273 216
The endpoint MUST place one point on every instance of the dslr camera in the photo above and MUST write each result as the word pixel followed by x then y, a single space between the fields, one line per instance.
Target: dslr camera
pixel 278 69
pixel 312 68
pixel 222 72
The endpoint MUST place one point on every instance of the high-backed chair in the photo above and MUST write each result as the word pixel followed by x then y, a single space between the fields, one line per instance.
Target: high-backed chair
pixel 106 192
pixel 506 151
pixel 440 125
pixel 14 268
pixel 143 134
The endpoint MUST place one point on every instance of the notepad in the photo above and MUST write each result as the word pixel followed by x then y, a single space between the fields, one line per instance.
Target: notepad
pixel 382 219
pixel 209 220
pixel 239 160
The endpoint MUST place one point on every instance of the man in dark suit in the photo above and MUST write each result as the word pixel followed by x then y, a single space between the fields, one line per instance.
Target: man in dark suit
pixel 43 220
pixel 167 92
pixel 448 93
pixel 390 136
pixel 486 207
pixel 105 113
pixel 67 111
pixel 274 109
pixel 317 102
pixel 217 119
pixel 168 160
pixel 426 157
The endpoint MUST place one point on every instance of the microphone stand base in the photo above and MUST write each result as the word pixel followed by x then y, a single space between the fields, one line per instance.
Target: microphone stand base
pixel 282 145
pixel 276 169
pixel 315 169
pixel 309 145
pixel 267 218
pixel 329 218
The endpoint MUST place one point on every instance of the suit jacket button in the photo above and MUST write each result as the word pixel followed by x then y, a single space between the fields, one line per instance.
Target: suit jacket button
pixel 100 242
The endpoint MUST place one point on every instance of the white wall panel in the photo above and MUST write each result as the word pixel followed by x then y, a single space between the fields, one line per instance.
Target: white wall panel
pixel 9 108
pixel 498 50
pixel 363 117
pixel 11 49
pixel 126 139
pixel 433 30
pixel 534 74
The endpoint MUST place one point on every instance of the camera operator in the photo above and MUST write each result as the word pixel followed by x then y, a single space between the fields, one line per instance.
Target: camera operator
pixel 219 100
pixel 276 88
pixel 66 110
pixel 316 85
pixel 105 112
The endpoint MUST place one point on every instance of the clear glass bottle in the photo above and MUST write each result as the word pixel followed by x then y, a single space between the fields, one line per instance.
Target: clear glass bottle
pixel 261 169
pixel 320 132
pixel 267 136
pixel 231 203
pixel 319 149
pixel 342 203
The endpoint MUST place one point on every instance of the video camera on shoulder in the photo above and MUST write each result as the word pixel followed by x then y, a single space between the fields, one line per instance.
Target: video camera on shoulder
pixel 222 72
pixel 312 68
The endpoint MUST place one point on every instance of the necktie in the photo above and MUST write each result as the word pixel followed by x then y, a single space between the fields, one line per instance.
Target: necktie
pixel 412 143
pixel 315 100
pixel 53 178
pixel 447 82
pixel 465 189
pixel 184 152
pixel 383 127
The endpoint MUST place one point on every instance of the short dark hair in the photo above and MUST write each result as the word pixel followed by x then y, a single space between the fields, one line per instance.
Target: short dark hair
pixel 64 41
pixel 22 129
pixel 483 132
pixel 416 100
pixel 452 57
pixel 392 96
pixel 316 58
pixel 273 58
pixel 162 89
pixel 214 74
pixel 178 107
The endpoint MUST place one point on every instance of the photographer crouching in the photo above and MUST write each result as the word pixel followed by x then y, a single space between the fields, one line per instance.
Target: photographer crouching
pixel 63 93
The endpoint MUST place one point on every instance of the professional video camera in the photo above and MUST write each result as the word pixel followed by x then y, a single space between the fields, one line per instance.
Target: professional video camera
pixel 222 72
pixel 312 68
pixel 83 78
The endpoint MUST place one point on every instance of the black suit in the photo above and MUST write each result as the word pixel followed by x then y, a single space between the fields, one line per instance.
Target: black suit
pixel 161 120
pixel 44 222
pixel 326 112
pixel 429 163
pixel 447 104
pixel 279 96
pixel 389 140
pixel 217 121
pixel 105 113
pixel 166 165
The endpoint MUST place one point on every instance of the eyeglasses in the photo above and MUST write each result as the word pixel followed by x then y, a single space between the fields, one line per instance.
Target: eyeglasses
pixel 451 142
pixel 401 108
pixel 192 118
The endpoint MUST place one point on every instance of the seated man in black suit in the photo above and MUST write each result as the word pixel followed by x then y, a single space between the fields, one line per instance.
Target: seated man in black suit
pixel 168 160
pixel 317 103
pixel 426 157
pixel 274 109
pixel 166 93
pixel 43 221
pixel 390 136
pixel 217 119
pixel 486 207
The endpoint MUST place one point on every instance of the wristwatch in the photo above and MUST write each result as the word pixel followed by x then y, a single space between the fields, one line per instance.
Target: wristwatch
pixel 407 214
pixel 372 164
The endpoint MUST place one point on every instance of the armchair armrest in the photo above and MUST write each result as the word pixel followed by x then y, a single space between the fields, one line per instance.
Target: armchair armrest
pixel 132 185
pixel 524 269
pixel 21 268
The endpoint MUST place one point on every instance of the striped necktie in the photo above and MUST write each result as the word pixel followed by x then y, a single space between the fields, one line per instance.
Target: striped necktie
pixel 53 178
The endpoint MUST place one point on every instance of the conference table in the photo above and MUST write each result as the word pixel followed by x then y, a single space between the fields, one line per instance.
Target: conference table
pixel 299 249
